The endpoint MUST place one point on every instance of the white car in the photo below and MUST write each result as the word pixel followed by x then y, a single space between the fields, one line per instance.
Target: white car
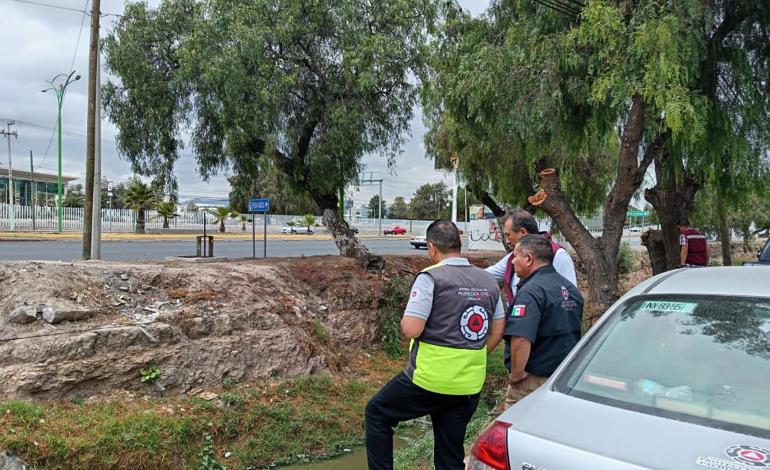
pixel 676 375
pixel 297 229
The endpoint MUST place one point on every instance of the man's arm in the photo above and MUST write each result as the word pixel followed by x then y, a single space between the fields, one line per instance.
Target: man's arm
pixel 412 327
pixel 520 349
pixel 418 308
pixel 497 270
pixel 683 255
pixel 563 264
pixel 498 326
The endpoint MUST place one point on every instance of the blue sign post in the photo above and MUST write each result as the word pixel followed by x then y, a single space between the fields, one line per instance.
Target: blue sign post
pixel 259 206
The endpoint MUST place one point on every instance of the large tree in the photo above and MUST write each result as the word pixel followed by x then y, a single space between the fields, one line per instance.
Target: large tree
pixel 573 109
pixel 310 86
pixel 431 201
pixel 374 207
pixel 399 209
pixel 730 74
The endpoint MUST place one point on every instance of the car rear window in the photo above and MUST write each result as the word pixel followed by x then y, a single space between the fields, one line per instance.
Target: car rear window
pixel 698 359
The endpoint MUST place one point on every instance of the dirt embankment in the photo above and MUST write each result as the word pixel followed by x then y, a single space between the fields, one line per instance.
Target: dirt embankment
pixel 70 330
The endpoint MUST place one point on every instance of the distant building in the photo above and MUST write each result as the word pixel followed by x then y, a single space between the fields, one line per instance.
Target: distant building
pixel 41 185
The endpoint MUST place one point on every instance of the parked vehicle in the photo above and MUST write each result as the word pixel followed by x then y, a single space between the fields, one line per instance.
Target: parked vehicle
pixel 297 229
pixel 396 230
pixel 675 376
pixel 763 256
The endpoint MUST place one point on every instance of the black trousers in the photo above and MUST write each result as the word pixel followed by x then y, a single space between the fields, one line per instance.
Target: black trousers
pixel 401 400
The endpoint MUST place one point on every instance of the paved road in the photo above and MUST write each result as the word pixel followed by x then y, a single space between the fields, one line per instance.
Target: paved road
pixel 145 250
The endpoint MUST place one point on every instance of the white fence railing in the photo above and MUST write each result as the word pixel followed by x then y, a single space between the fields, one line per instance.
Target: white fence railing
pixel 124 220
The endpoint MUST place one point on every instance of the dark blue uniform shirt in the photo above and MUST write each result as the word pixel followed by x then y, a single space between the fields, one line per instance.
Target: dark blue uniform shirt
pixel 547 311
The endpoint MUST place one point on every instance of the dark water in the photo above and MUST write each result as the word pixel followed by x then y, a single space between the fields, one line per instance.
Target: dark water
pixel 356 458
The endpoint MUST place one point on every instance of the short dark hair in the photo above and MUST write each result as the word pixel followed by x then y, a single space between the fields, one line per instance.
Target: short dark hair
pixel 444 235
pixel 522 219
pixel 538 247
pixel 684 222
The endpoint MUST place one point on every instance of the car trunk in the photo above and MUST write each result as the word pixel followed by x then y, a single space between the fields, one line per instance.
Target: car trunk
pixel 554 431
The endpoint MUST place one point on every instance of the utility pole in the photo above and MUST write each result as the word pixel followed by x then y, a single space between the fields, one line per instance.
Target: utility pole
pixel 369 179
pixel 34 191
pixel 96 228
pixel 454 190
pixel 11 189
pixel 91 130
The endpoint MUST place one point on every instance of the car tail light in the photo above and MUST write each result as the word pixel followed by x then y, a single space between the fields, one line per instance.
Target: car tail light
pixel 491 448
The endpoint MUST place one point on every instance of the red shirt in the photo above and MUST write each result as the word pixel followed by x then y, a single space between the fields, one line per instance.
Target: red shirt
pixel 696 246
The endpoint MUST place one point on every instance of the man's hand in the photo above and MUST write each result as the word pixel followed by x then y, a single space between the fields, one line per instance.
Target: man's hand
pixel 517 376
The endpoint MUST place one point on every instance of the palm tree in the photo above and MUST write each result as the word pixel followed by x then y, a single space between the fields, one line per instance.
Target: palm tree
pixel 309 221
pixel 140 198
pixel 243 219
pixel 167 210
pixel 221 214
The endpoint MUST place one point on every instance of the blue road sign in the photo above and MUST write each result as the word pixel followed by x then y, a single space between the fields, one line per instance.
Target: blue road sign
pixel 259 205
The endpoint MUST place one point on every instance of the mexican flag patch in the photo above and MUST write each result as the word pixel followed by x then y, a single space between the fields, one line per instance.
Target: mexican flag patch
pixel 518 310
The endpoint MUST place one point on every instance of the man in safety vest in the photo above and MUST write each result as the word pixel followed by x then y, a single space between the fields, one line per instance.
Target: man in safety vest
pixel 453 308
pixel 694 250
pixel 518 224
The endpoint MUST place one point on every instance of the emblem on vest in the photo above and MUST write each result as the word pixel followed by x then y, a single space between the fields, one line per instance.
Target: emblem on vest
pixel 474 323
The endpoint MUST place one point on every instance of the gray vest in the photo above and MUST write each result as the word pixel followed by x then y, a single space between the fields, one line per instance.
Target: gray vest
pixel 464 303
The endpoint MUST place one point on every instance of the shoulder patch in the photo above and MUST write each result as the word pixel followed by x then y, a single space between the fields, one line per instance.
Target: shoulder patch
pixel 518 310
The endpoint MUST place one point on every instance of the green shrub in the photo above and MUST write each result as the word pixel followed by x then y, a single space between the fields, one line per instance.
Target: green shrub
pixel 626 259
pixel 391 311
pixel 208 459
pixel 319 332
pixel 150 374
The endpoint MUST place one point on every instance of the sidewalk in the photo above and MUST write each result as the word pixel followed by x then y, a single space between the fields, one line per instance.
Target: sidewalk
pixel 75 236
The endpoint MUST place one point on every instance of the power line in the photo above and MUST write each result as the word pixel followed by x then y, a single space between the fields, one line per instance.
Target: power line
pixel 59 7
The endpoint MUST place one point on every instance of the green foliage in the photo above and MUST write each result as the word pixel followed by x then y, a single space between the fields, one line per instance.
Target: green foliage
pixel 308 220
pixel 208 460
pixel 626 259
pixel 389 319
pixel 374 207
pixel 307 88
pixel 431 201
pixel 150 374
pixel 74 197
pixel 167 210
pixel 221 214
pixel 319 332
pixel 140 198
pixel 228 383
pixel 399 209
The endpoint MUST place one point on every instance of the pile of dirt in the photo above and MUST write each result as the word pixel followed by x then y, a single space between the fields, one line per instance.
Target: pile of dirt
pixel 72 330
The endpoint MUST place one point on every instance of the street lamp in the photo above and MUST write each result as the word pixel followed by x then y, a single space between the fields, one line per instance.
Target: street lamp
pixel 59 90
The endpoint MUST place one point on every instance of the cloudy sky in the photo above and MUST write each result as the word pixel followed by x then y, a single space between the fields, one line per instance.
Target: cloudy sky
pixel 41 42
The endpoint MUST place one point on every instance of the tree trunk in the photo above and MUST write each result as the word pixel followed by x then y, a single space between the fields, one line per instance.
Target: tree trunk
pixel 672 203
pixel 725 234
pixel 165 222
pixel 348 244
pixel 600 255
pixel 653 241
pixel 140 221
pixel 222 226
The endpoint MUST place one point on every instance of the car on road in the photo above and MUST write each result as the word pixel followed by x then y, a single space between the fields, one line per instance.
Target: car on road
pixel 419 241
pixel 674 376
pixel 297 229
pixel 763 256
pixel 396 230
